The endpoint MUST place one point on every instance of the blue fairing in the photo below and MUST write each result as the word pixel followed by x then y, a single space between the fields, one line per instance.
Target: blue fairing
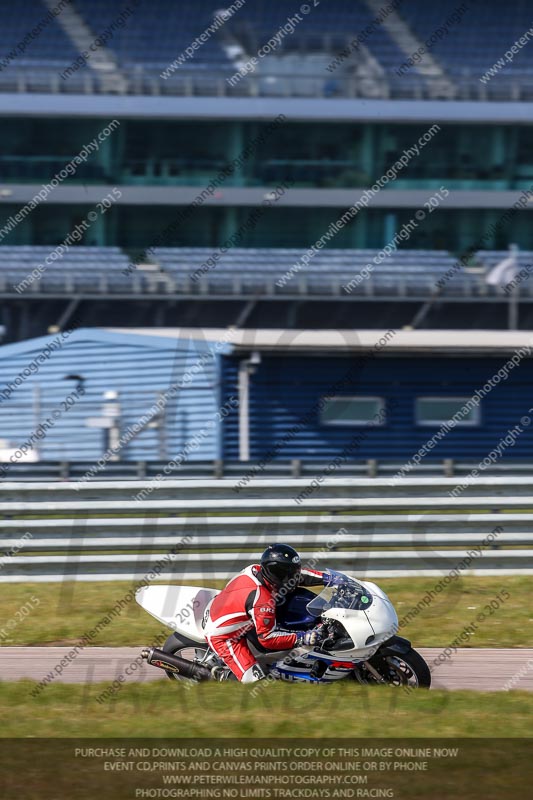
pixel 300 676
pixel 293 614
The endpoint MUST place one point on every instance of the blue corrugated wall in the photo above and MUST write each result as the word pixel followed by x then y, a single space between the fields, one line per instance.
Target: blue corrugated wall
pixel 284 389
pixel 138 367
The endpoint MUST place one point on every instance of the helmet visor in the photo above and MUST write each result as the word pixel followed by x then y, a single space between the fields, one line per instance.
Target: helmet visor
pixel 281 574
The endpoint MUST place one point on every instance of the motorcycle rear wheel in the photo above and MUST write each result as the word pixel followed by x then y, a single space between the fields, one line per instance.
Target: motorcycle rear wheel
pixel 180 646
pixel 403 669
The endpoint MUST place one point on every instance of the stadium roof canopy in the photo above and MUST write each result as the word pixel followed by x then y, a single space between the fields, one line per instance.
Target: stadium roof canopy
pixel 326 341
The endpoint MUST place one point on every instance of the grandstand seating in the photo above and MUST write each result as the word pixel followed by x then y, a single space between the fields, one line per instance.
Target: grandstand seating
pixel 472 46
pixel 245 271
pixel 82 268
pixel 158 32
pixel 51 48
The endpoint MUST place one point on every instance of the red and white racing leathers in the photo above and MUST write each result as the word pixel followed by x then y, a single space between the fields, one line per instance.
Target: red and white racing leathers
pixel 244 604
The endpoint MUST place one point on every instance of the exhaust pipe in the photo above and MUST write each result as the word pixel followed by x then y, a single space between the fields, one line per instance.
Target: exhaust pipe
pixel 171 663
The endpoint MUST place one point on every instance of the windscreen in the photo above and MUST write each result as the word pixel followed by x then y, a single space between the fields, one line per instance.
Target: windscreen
pixel 341 592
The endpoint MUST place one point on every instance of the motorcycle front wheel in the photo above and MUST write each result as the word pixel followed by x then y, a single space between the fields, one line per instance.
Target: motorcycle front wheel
pixel 185 648
pixel 403 669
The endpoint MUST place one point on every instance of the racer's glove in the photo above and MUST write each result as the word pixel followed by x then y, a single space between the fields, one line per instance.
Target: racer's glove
pixel 309 638
pixel 327 577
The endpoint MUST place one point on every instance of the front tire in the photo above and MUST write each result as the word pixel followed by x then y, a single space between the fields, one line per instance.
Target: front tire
pixel 184 648
pixel 399 669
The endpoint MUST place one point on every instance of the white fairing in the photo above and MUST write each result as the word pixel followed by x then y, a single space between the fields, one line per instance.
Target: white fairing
pixel 379 621
pixel 374 589
pixel 180 607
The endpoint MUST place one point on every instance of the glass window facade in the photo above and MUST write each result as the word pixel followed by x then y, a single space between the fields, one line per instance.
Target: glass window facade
pixel 435 411
pixel 353 411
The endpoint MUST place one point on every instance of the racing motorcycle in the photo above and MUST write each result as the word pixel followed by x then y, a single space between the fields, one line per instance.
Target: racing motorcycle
pixel 359 641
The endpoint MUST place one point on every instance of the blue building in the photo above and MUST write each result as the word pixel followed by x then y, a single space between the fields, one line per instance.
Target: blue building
pixel 160 394
pixel 157 392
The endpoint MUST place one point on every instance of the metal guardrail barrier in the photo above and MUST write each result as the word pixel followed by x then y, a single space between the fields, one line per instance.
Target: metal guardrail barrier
pixel 217 468
pixel 204 530
pixel 197 507
pixel 195 566
pixel 214 490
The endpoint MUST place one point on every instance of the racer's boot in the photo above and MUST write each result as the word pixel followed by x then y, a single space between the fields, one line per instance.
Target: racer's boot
pixel 222 674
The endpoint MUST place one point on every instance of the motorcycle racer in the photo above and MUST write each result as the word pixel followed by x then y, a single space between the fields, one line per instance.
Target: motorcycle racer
pixel 246 609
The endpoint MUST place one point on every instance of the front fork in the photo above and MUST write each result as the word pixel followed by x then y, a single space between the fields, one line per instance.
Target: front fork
pixel 372 670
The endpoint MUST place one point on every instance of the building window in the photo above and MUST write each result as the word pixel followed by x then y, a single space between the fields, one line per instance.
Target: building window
pixel 435 411
pixel 353 411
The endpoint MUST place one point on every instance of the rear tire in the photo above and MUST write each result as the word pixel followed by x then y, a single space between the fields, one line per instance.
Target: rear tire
pixel 185 648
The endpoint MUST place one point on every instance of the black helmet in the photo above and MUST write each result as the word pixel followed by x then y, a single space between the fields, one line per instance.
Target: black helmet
pixel 281 565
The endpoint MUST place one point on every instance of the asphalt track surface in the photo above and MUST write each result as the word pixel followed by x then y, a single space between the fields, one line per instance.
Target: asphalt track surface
pixel 479 669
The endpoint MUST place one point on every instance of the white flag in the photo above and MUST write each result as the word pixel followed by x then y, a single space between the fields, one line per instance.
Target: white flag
pixel 503 272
